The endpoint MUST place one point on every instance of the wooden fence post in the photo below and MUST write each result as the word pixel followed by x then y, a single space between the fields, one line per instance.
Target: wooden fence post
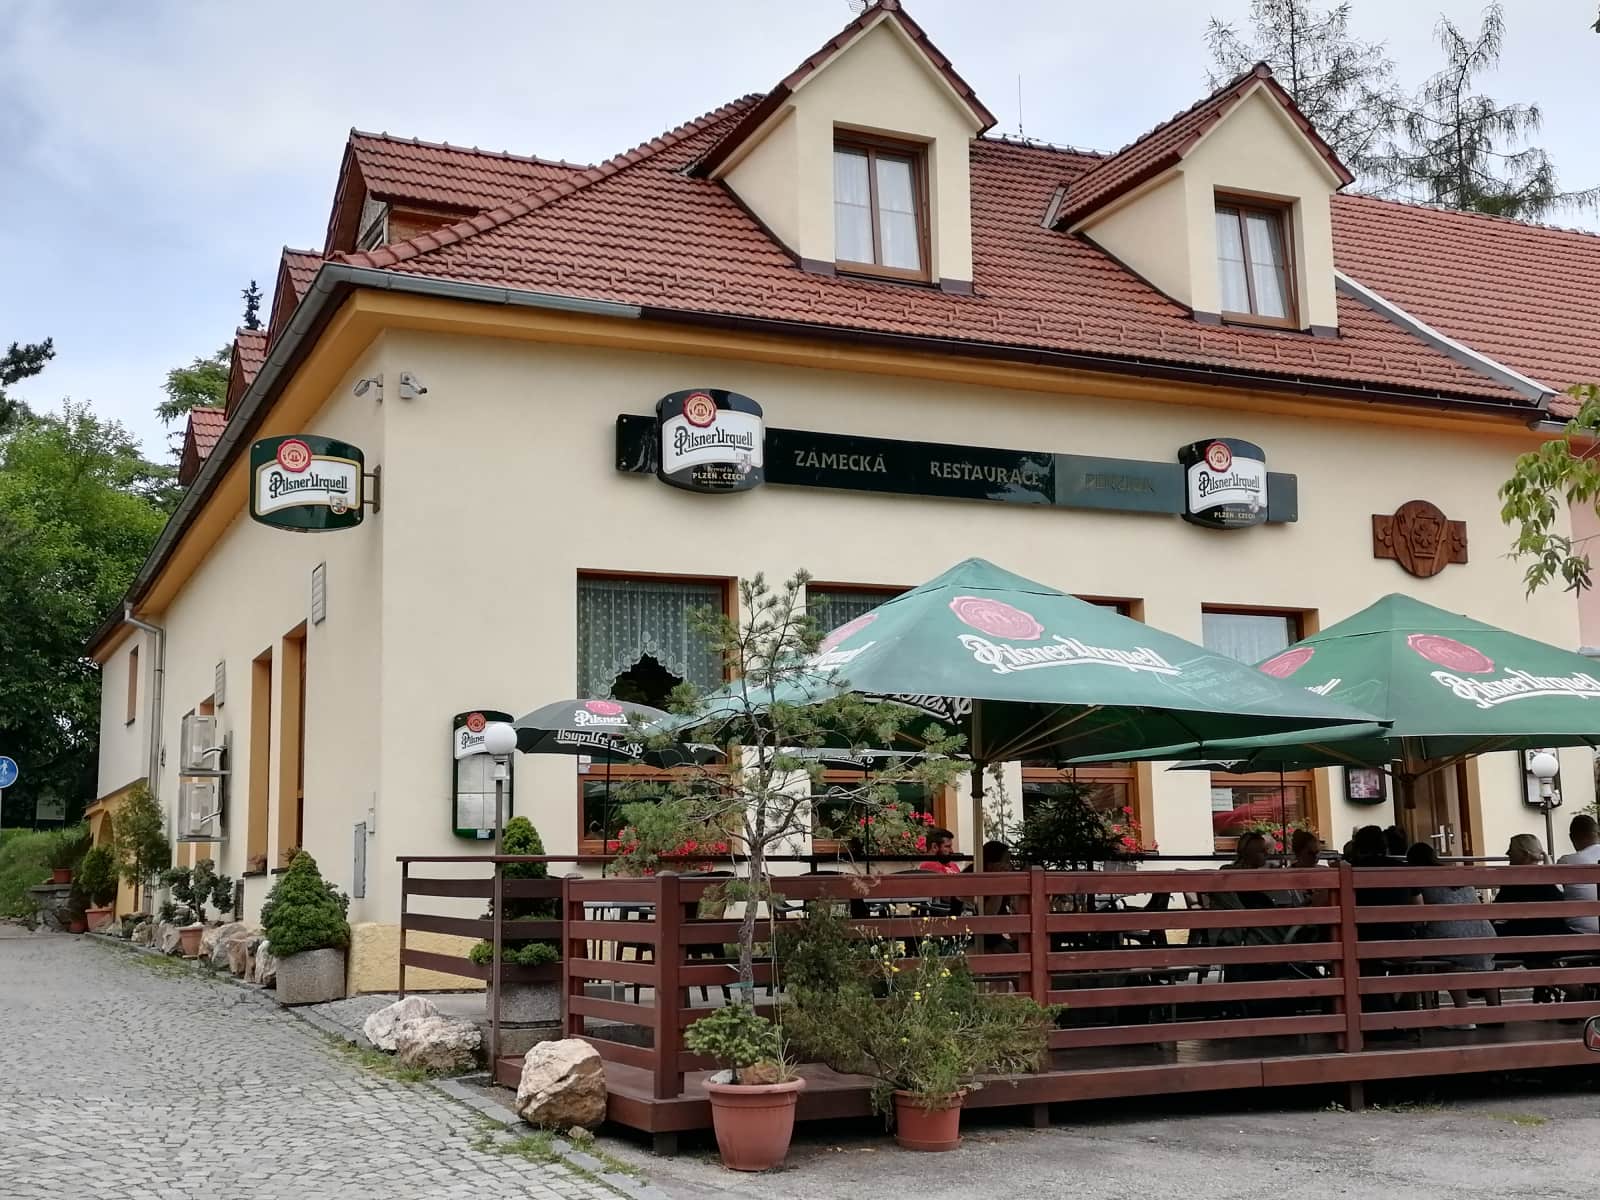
pixel 1350 960
pixel 668 953
pixel 572 982
pixel 1038 936
pixel 405 882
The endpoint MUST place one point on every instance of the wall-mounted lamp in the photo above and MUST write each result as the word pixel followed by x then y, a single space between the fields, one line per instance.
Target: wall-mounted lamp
pixel 372 383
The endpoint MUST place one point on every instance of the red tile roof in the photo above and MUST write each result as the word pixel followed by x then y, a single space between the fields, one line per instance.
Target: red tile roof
pixel 302 266
pixel 731 139
pixel 1526 295
pixel 639 230
pixel 1165 146
pixel 207 424
pixel 251 347
pixel 439 175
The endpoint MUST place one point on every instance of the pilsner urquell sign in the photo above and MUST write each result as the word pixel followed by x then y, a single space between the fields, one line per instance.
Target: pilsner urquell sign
pixel 711 441
pixel 305 483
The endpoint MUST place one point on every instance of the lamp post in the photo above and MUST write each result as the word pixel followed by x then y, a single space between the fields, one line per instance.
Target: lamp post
pixel 1544 767
pixel 500 740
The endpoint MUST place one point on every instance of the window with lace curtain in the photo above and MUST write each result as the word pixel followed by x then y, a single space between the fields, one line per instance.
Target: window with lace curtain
pixel 832 605
pixel 1254 271
pixel 1270 802
pixel 637 640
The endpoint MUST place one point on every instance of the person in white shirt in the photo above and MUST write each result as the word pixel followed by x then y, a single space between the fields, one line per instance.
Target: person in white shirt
pixel 1585 834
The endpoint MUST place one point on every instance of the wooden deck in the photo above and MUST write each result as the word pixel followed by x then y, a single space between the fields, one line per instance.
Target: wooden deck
pixel 1186 1066
pixel 1326 984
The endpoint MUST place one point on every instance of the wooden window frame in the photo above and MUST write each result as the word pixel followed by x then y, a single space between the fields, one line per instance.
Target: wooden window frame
pixel 729 589
pixel 1283 213
pixel 132 714
pixel 917 152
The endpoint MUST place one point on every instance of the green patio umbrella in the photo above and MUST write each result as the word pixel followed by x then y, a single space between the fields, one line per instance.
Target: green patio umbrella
pixel 1446 687
pixel 1023 670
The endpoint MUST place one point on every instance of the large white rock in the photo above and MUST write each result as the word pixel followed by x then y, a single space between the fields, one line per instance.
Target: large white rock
pixel 242 952
pixel 563 1084
pixel 221 937
pixel 168 937
pixel 438 1044
pixel 264 967
pixel 380 1027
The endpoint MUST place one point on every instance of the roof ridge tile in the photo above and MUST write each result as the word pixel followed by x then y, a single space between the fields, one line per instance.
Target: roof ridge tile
pixel 535 159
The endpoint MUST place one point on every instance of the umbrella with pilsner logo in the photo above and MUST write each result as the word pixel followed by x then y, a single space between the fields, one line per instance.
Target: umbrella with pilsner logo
pixel 1023 670
pixel 1446 687
pixel 607 730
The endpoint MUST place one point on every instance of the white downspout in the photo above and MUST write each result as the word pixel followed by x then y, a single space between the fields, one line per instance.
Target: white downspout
pixel 157 690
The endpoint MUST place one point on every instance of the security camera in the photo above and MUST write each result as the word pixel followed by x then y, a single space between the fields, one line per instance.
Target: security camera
pixel 372 381
pixel 410 386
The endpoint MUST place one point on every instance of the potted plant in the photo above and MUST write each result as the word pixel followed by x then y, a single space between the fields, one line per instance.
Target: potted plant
pixel 753 1099
pixel 526 996
pixel 195 887
pixel 919 1026
pixel 97 878
pixel 305 927
pixel 67 849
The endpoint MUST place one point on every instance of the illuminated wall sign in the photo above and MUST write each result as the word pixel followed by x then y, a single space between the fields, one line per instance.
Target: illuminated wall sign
pixel 804 458
pixel 711 441
pixel 306 483
pixel 472 775
pixel 1225 483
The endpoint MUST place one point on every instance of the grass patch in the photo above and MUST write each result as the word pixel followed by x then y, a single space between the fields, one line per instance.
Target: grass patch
pixel 1425 1105
pixel 376 1061
pixel 539 1146
pixel 1521 1120
pixel 24 863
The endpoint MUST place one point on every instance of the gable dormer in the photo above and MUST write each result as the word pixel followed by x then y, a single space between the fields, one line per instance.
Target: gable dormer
pixel 858 161
pixel 1225 208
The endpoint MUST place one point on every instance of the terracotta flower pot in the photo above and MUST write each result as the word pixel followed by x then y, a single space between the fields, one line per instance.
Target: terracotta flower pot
pixel 754 1122
pixel 98 918
pixel 60 874
pixel 917 1127
pixel 189 940
pixel 77 925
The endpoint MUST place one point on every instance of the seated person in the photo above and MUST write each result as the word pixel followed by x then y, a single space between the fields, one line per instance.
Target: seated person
pixel 1305 850
pixel 1470 924
pixel 941 853
pixel 1249 854
pixel 1526 850
pixel 1585 834
pixel 1370 848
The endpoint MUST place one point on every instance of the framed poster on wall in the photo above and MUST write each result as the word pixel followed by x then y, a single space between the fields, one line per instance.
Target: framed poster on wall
pixel 472 776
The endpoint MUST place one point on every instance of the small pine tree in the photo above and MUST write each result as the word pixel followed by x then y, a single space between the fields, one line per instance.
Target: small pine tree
pixel 252 306
pixel 304 911
pixel 139 839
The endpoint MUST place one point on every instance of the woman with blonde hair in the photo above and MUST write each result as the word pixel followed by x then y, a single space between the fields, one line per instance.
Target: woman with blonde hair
pixel 1526 850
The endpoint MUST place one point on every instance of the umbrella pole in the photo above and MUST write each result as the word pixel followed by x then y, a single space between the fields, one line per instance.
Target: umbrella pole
pixel 605 821
pixel 977 816
pixel 1283 815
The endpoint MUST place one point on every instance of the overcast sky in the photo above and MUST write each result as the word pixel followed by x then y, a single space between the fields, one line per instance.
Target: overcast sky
pixel 155 155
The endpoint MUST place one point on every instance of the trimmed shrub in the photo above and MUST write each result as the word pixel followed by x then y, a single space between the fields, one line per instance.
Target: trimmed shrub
pixel 304 911
pixel 97 876
pixel 521 837
pixel 68 846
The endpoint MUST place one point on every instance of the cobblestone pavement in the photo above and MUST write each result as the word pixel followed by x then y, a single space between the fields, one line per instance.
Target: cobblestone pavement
pixel 119 1078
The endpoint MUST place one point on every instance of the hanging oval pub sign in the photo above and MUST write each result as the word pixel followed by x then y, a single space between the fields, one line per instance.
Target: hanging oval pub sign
pixel 305 483
pixel 711 441
pixel 1225 483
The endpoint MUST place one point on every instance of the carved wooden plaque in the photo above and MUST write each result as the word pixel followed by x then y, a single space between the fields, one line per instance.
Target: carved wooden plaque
pixel 1420 538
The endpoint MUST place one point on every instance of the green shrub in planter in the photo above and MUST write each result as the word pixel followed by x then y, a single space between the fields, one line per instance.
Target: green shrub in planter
pixel 304 911
pixel 739 1038
pixel 97 877
pixel 521 837
pixel 68 847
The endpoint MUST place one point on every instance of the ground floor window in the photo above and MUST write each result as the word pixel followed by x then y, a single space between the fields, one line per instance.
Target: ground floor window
pixel 1239 803
pixel 832 605
pixel 637 640
pixel 836 818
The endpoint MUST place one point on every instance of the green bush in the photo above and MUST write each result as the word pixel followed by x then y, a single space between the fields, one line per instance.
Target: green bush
pixel 24 862
pixel 736 1036
pixel 68 846
pixel 521 837
pixel 97 876
pixel 304 911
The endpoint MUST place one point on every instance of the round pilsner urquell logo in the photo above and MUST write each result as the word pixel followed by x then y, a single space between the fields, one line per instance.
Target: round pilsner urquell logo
pixel 476 722
pixel 700 410
pixel 1218 457
pixel 996 618
pixel 294 456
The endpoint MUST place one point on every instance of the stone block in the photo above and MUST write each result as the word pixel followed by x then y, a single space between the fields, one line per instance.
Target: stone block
pixel 517 1040
pixel 312 977
pixel 529 1003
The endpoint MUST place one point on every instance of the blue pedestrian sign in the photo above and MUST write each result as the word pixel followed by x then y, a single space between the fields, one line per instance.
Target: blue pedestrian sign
pixel 8 772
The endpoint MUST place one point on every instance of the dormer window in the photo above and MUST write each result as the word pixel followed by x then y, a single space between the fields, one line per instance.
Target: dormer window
pixel 879 208
pixel 1253 268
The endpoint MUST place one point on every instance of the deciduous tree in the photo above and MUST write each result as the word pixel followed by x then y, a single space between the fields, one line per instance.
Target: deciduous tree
pixel 1561 476
pixel 204 382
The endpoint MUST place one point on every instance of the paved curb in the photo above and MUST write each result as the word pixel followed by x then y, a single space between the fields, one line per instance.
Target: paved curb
pixel 451 1088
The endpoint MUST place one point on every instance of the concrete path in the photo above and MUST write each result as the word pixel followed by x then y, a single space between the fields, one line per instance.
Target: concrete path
pixel 1536 1139
pixel 121 1077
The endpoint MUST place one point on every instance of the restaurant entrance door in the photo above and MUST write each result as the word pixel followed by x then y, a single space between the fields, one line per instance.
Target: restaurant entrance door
pixel 1437 813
